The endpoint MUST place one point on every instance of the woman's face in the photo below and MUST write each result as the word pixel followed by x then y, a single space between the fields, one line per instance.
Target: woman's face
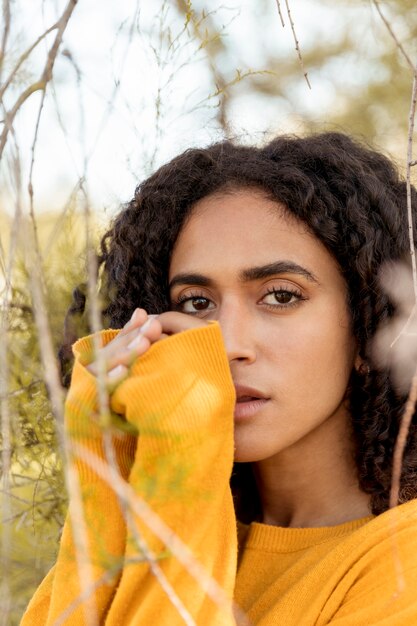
pixel 281 303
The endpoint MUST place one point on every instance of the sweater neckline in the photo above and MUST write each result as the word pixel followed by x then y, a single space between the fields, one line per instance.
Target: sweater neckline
pixel 280 539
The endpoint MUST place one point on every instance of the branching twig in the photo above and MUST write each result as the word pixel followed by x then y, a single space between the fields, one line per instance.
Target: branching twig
pixel 10 115
pixel 23 58
pixel 297 45
pixel 41 84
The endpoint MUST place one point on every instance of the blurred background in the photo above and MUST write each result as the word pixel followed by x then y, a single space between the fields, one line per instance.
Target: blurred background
pixel 94 97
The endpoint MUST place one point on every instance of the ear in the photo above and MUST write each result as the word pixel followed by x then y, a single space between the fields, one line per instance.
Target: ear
pixel 361 366
pixel 358 362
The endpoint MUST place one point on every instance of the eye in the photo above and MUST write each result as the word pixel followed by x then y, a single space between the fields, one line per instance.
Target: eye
pixel 282 298
pixel 193 304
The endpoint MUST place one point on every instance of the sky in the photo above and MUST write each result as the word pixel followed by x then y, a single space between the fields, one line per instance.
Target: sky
pixel 123 101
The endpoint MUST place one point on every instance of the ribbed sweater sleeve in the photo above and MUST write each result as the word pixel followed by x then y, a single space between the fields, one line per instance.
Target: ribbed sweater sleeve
pixel 180 397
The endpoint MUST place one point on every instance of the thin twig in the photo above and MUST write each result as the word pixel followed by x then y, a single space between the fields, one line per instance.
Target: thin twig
pixel 6 508
pixel 411 120
pixel 401 442
pixel 158 573
pixel 4 401
pixel 397 463
pixel 411 401
pixel 153 521
pixel 84 596
pixel 410 406
pixel 10 115
pixel 105 418
pixel 56 394
pixel 41 84
pixel 23 58
pixel 46 77
pixel 297 45
pixel 393 35
pixel 7 18
pixel 281 17
pixel 20 390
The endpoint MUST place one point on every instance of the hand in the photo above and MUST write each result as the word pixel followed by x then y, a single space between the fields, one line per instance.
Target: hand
pixel 136 337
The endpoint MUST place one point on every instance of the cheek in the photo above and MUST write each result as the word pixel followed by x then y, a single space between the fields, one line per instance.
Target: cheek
pixel 315 356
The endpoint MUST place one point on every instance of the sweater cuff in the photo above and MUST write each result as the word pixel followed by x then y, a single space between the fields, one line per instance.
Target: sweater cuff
pixel 82 413
pixel 179 391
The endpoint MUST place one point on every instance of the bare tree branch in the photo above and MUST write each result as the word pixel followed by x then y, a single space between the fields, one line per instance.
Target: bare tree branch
pixel 23 58
pixel 297 45
pixel 41 84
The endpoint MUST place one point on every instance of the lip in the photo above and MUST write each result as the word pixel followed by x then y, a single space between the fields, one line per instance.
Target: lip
pixel 256 400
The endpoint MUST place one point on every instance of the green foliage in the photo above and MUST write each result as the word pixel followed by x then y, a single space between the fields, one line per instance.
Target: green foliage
pixel 36 497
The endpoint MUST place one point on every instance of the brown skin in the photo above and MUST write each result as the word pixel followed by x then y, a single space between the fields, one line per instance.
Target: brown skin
pixel 295 345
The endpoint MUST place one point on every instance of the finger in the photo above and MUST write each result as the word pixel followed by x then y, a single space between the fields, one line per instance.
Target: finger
pixel 138 318
pixel 116 376
pixel 120 355
pixel 123 350
pixel 151 329
pixel 117 372
pixel 174 322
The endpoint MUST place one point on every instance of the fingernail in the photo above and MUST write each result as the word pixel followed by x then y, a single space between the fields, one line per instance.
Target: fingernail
pixel 148 322
pixel 117 371
pixel 132 319
pixel 135 343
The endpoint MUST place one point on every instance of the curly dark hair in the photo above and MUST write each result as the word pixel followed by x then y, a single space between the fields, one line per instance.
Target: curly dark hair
pixel 350 197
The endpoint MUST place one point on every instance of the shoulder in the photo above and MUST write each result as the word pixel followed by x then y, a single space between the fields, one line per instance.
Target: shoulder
pixel 389 539
pixel 377 572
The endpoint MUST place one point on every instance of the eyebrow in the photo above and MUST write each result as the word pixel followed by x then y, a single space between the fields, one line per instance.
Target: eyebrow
pixel 247 275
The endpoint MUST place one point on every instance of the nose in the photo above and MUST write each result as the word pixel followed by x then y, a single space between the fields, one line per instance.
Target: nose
pixel 238 333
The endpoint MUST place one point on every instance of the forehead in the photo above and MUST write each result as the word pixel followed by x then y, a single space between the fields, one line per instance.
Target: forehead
pixel 230 231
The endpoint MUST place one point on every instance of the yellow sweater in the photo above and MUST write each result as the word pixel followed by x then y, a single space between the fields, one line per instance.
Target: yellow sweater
pixel 180 398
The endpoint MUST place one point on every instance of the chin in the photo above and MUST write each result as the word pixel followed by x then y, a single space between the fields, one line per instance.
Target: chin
pixel 248 453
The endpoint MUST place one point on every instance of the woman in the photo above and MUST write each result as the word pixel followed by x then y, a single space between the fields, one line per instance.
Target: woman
pixel 260 269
